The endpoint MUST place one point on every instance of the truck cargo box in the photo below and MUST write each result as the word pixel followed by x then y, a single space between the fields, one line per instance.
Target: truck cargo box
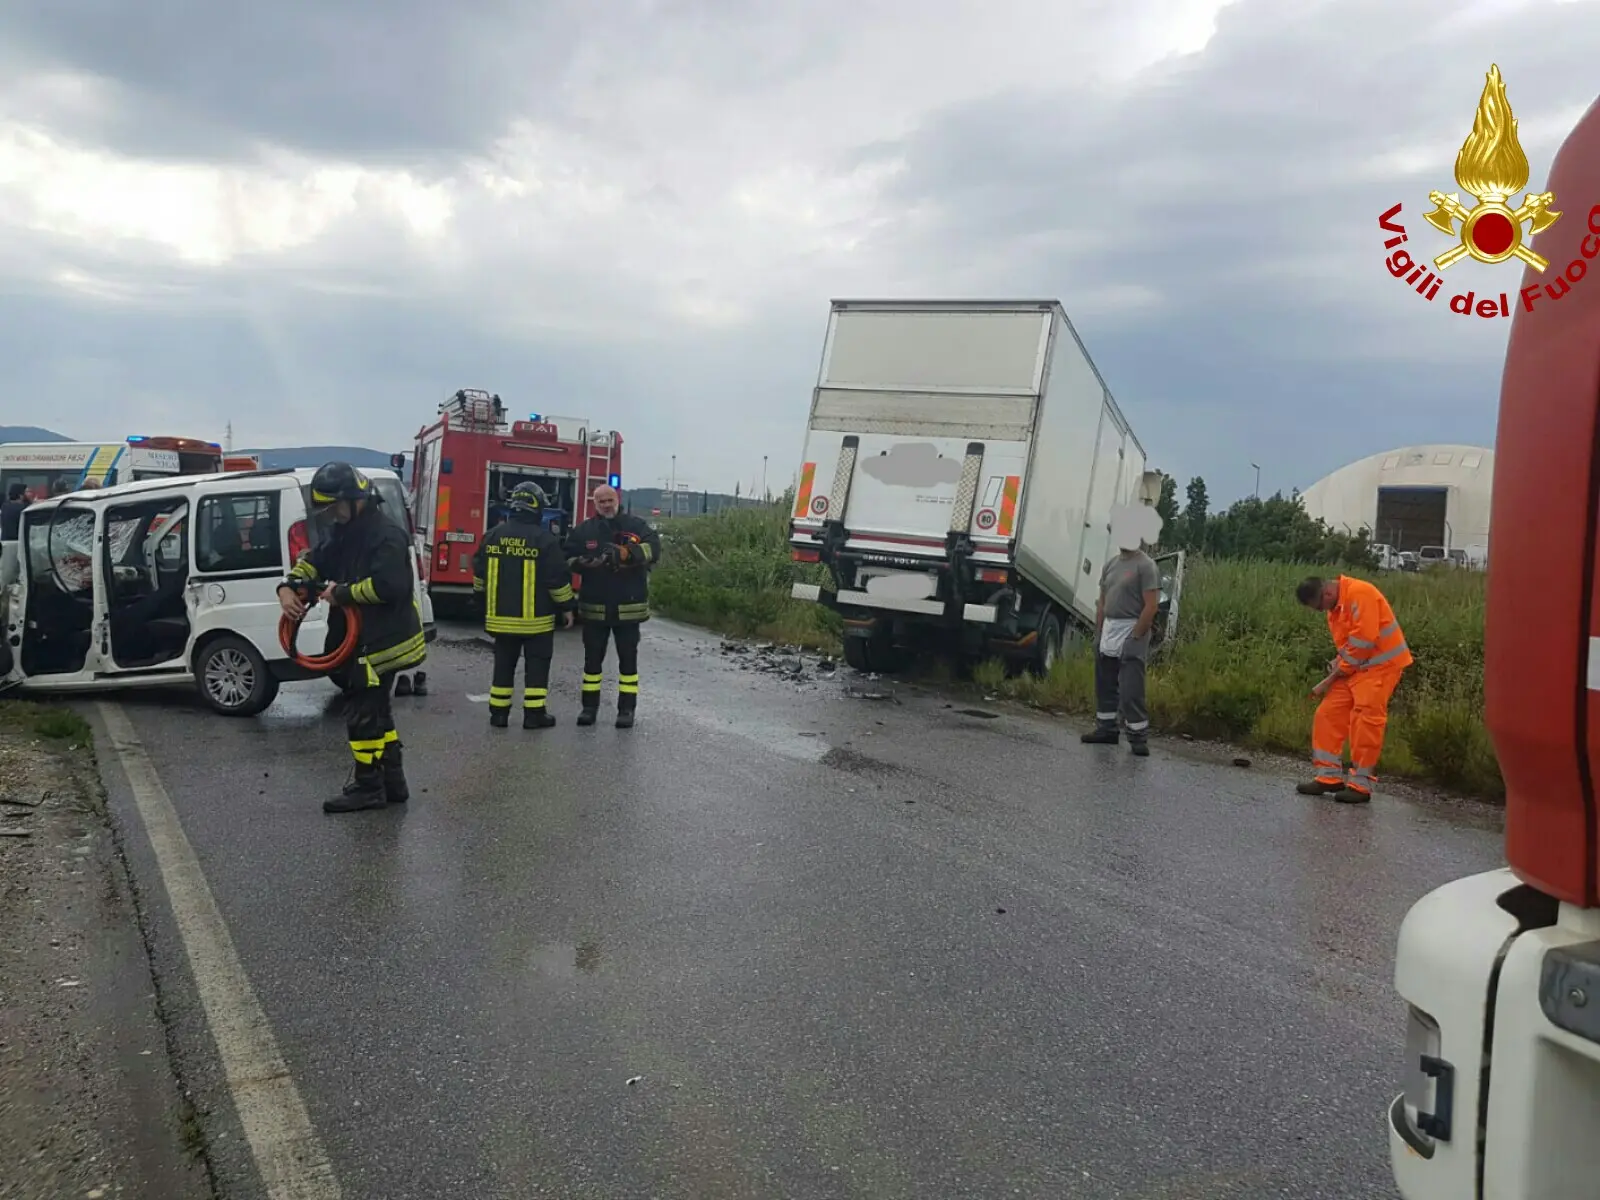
pixel 961 463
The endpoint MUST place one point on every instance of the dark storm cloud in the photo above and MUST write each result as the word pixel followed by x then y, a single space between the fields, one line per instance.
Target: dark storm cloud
pixel 403 78
pixel 397 81
pixel 1225 183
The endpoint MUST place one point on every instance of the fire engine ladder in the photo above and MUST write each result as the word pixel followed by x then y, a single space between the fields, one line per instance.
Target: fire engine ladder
pixel 597 468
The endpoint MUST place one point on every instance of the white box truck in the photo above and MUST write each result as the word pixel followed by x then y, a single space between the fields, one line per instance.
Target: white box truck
pixel 961 462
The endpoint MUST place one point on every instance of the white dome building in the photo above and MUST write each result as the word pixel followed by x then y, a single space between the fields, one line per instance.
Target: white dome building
pixel 1413 497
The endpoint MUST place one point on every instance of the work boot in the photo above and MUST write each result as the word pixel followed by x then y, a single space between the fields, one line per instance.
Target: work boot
pixel 365 790
pixel 499 717
pixel 624 718
pixel 587 715
pixel 1139 747
pixel 402 686
pixel 537 718
pixel 1100 736
pixel 394 775
pixel 1317 787
pixel 1350 795
pixel 419 686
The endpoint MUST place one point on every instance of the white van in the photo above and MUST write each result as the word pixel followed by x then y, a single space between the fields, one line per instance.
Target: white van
pixel 162 582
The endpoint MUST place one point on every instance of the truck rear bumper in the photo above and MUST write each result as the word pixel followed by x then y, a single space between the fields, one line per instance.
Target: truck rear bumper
pixel 983 614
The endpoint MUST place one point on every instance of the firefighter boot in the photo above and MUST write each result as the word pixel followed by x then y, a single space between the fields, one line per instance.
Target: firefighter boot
pixel 402 686
pixel 499 717
pixel 365 790
pixel 587 715
pixel 419 685
pixel 1138 745
pixel 1101 735
pixel 394 775
pixel 537 718
pixel 624 718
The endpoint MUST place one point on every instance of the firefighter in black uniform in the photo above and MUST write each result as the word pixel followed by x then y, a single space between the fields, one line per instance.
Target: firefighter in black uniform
pixel 613 554
pixel 365 565
pixel 523 577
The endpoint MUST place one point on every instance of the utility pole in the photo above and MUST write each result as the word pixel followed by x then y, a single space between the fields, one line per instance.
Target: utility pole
pixel 673 486
pixel 227 438
pixel 1258 481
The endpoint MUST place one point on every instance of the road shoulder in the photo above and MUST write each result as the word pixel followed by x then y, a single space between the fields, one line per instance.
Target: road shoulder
pixel 89 1104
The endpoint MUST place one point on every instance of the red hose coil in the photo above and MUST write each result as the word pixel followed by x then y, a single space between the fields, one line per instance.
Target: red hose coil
pixel 322 664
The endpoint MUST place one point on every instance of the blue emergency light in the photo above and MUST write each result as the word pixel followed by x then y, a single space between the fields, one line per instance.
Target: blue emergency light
pixel 139 438
pixel 535 417
pixel 616 481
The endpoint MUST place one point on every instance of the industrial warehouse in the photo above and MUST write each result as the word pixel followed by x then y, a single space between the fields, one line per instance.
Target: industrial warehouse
pixel 1422 502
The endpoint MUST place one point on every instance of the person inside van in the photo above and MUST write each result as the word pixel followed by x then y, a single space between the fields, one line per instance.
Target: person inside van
pixel 10 528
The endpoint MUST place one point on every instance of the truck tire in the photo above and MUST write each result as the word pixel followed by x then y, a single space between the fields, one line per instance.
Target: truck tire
pixel 1048 646
pixel 233 678
pixel 856 654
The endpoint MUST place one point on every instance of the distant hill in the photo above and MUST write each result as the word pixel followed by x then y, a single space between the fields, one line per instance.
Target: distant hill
pixel 280 457
pixel 30 433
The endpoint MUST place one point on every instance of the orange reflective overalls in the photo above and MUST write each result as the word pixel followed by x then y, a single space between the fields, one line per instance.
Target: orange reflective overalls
pixel 1372 655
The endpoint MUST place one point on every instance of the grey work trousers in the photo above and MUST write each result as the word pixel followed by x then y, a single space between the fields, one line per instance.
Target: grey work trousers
pixel 1119 692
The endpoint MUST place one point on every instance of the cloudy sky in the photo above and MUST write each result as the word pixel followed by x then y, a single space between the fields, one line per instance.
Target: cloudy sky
pixel 316 218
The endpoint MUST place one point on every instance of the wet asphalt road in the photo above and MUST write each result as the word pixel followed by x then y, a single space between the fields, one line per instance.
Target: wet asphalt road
pixel 854 948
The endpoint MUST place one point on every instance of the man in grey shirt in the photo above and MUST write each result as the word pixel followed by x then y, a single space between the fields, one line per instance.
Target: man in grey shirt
pixel 1130 591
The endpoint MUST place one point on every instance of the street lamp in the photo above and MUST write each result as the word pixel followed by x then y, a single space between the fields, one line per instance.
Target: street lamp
pixel 1258 481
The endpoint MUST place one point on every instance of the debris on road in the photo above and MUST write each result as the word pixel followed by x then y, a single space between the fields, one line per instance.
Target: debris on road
pixel 1241 761
pixel 859 694
pixel 792 663
pixel 635 1079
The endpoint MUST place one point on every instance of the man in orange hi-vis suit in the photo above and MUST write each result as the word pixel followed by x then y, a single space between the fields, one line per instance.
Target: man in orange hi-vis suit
pixel 1371 655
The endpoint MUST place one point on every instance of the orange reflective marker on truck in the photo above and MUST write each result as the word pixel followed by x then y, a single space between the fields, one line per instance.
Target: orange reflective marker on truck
pixel 1542 628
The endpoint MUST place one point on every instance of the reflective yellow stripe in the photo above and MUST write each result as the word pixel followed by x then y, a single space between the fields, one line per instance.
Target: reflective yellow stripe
pixel 530 594
pixel 522 625
pixel 562 594
pixel 628 685
pixel 302 569
pixel 364 592
pixel 492 591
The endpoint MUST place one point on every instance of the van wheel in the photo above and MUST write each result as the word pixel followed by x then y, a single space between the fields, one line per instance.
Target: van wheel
pixel 1049 644
pixel 233 678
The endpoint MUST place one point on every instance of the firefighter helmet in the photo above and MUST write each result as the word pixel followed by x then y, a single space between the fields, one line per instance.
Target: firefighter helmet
pixel 528 497
pixel 337 481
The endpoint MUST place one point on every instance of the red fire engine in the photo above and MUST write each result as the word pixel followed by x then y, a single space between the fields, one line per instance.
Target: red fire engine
pixel 468 460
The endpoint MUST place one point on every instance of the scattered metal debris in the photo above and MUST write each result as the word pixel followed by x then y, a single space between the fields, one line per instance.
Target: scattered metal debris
pixel 1241 761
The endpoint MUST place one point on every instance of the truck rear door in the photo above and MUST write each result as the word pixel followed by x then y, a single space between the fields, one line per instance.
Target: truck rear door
pixel 912 406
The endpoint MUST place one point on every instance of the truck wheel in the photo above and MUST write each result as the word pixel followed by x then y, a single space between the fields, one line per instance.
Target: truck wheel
pixel 885 657
pixel 1048 645
pixel 233 678
pixel 855 654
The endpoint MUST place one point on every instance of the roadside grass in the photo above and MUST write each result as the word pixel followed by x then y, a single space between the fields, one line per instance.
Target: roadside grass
pixel 731 572
pixel 50 721
pixel 1240 669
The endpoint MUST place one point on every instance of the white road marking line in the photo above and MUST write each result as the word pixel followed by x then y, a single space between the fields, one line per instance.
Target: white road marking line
pixel 288 1153
pixel 483 699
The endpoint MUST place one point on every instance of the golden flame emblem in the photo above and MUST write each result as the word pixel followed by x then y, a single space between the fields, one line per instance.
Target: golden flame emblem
pixel 1491 167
